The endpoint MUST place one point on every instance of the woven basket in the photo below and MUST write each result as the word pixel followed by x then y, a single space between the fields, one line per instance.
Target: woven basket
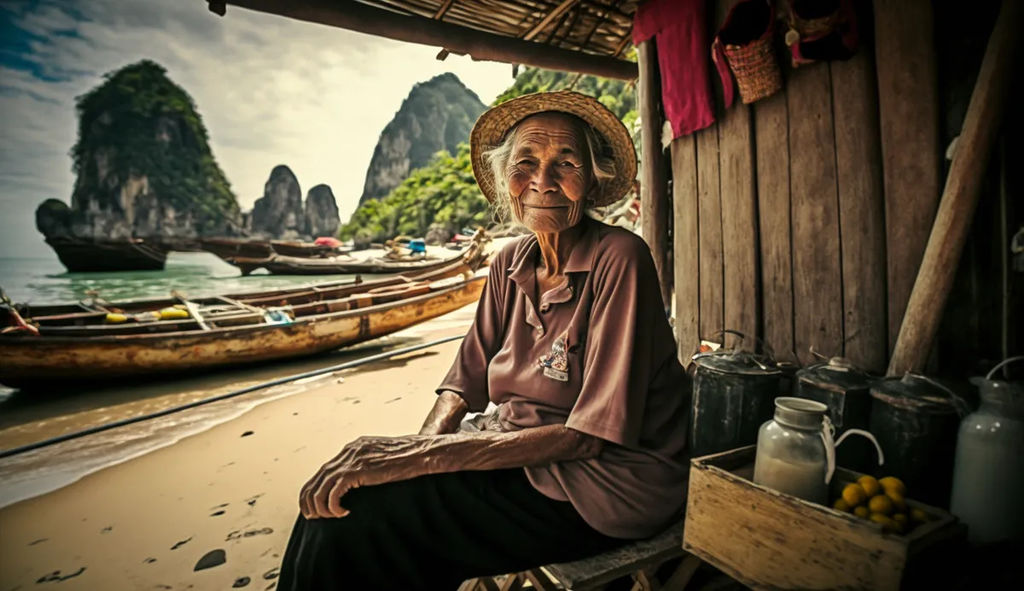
pixel 755 68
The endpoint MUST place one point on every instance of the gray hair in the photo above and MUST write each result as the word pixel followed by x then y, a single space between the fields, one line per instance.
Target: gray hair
pixel 602 167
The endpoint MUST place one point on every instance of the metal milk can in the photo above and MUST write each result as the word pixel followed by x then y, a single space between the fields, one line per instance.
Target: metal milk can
pixel 733 392
pixel 915 419
pixel 988 474
pixel 846 391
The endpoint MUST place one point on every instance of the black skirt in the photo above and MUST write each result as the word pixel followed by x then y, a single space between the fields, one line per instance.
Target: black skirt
pixel 433 532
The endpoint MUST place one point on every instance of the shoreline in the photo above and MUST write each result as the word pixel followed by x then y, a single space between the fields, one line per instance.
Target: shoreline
pixel 228 483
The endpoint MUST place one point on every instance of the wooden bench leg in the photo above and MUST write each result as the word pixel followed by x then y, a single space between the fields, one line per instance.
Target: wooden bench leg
pixel 539 580
pixel 683 573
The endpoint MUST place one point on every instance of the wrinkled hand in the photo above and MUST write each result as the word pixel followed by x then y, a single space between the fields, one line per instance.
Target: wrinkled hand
pixel 367 461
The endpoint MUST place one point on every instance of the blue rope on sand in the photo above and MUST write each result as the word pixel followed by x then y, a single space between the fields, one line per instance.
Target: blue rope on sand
pixel 167 411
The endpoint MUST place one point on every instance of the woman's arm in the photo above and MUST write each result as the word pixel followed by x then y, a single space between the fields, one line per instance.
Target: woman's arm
pixel 445 416
pixel 368 461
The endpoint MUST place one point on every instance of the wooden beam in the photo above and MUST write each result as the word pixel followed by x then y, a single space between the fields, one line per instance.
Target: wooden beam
pixel 477 44
pixel 686 246
pixel 654 205
pixel 963 185
pixel 544 22
pixel 443 10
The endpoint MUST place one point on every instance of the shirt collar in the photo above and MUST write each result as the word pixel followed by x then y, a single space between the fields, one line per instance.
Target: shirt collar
pixel 581 259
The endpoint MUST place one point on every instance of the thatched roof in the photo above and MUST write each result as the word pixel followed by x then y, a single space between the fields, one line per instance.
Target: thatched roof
pixel 580 35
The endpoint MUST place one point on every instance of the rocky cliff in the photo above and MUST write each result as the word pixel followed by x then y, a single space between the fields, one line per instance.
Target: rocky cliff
pixel 437 115
pixel 281 214
pixel 144 166
pixel 321 217
pixel 278 213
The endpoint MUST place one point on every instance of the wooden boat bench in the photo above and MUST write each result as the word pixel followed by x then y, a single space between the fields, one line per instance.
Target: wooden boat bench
pixel 640 560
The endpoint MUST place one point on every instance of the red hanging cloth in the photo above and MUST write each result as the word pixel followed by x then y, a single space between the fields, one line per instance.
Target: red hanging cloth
pixel 679 29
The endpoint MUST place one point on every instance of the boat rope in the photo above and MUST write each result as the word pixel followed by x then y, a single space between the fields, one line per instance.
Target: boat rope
pixel 248 389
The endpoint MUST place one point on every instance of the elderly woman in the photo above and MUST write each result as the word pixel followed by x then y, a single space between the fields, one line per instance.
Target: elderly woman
pixel 586 446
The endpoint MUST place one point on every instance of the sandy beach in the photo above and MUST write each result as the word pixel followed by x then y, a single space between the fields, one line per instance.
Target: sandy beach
pixel 147 521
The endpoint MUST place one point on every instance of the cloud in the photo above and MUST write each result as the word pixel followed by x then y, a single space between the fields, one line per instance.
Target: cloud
pixel 270 90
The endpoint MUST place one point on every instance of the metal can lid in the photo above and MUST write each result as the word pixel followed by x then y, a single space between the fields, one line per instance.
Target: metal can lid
pixel 737 362
pixel 838 373
pixel 916 392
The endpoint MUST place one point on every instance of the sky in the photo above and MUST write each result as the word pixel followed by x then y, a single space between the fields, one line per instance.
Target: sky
pixel 270 90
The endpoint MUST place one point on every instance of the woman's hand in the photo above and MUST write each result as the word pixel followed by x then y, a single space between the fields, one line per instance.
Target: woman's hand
pixel 364 462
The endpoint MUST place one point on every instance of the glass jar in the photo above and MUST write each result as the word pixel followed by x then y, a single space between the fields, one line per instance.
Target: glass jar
pixel 988 477
pixel 792 456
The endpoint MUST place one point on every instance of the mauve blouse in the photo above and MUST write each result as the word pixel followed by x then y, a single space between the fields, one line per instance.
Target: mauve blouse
pixel 597 355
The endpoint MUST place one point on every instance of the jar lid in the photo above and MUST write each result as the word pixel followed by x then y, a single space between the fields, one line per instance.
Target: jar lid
pixel 800 413
pixel 737 362
pixel 838 373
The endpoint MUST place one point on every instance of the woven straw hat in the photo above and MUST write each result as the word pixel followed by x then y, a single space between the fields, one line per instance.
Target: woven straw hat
pixel 490 130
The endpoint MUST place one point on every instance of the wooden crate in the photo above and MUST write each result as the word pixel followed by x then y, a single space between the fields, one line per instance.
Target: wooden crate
pixel 770 540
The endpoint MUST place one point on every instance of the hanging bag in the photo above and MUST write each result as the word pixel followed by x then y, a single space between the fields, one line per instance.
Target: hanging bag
pixel 821 30
pixel 744 45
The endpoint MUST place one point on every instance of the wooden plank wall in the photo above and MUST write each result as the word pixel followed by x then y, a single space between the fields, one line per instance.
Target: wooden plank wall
pixel 789 197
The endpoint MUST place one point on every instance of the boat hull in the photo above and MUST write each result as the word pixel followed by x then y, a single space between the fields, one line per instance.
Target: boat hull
pixel 31 362
pixel 97 256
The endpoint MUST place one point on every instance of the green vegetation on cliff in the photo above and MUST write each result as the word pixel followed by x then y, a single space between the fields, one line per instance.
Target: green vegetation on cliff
pixel 139 123
pixel 444 195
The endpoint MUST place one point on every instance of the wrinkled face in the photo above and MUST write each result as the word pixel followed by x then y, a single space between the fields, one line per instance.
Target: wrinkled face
pixel 549 172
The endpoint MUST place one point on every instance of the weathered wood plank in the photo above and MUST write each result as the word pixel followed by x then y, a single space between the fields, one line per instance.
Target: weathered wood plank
pixel 908 115
pixel 739 224
pixel 685 245
pixel 709 228
pixel 771 133
pixel 861 211
pixel 655 208
pixel 817 280
pixel 960 196
pixel 790 543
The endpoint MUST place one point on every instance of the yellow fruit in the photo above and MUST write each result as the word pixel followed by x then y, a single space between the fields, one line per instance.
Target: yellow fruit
pixel 870 485
pixel 888 525
pixel 918 515
pixel 898 502
pixel 854 495
pixel 841 505
pixel 861 512
pixel 880 504
pixel 893 484
pixel 116 318
pixel 901 518
pixel 173 313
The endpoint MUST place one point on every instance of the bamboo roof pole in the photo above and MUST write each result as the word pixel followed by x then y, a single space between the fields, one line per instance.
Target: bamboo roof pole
pixel 960 196
pixel 654 205
pixel 479 45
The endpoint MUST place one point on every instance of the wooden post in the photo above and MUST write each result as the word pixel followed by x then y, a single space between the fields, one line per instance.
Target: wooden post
pixel 654 205
pixel 956 209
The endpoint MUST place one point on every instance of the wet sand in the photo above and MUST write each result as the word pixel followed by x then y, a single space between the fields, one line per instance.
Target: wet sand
pixel 230 484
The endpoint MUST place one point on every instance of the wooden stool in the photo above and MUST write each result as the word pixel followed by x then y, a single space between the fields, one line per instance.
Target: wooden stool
pixel 640 560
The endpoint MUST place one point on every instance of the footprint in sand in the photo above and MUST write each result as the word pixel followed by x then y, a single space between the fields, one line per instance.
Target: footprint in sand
pixel 181 543
pixel 55 576
pixel 247 433
pixel 211 559
pixel 109 528
pixel 241 582
pixel 39 541
pixel 272 574
pixel 216 513
pixel 149 560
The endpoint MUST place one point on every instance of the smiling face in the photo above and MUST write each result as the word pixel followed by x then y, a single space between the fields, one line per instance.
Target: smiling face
pixel 549 172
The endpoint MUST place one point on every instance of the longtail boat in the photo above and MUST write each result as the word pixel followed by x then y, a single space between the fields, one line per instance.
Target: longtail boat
pixel 102 340
pixel 304 258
